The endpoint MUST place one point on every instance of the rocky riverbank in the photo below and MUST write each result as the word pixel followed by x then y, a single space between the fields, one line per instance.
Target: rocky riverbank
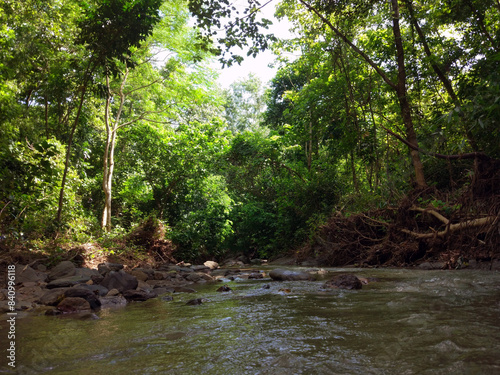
pixel 67 288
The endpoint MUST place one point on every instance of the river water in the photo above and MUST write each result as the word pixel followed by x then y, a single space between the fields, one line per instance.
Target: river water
pixel 408 322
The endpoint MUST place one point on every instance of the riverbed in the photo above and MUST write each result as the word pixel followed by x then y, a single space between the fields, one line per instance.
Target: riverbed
pixel 407 322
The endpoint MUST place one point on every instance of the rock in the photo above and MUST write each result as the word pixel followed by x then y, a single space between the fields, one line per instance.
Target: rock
pixel 67 282
pixel 105 268
pixel 161 290
pixel 224 288
pixel 287 275
pixel 97 279
pixel 138 295
pixel 29 293
pixel 119 280
pixel 182 289
pixel 139 275
pixel 256 275
pixel 62 270
pixel 87 272
pixel 41 268
pixel 194 277
pixel 200 268
pixel 167 298
pixel 142 285
pixel 266 286
pixel 73 304
pixel 112 301
pixel 160 275
pixel 233 262
pixel 26 274
pixel 113 292
pixel 96 289
pixel 86 294
pixel 345 281
pixel 196 301
pixel 206 277
pixel 211 264
pixel 52 297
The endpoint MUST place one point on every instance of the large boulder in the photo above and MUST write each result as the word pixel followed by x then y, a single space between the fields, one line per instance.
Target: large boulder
pixel 119 280
pixel 86 294
pixel 26 274
pixel 73 304
pixel 344 281
pixel 62 270
pixel 288 275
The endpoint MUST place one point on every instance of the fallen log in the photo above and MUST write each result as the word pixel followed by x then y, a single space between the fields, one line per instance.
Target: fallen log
pixel 450 228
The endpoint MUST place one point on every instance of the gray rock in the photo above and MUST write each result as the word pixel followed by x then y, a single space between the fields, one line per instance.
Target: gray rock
pixel 62 270
pixel 73 304
pixel 119 280
pixel 26 274
pixel 200 268
pixel 138 295
pixel 87 272
pixel 86 294
pixel 139 275
pixel 96 289
pixel 255 275
pixel 105 268
pixel 194 277
pixel 67 282
pixel 345 281
pixel 287 275
pixel 52 297
pixel 112 301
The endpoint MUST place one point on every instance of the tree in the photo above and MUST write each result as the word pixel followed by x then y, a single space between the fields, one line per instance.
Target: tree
pixel 244 104
pixel 108 31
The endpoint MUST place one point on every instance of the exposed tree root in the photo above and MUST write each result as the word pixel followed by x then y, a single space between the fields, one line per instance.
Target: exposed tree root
pixel 449 227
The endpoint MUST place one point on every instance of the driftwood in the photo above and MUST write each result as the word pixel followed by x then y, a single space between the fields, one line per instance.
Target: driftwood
pixel 450 228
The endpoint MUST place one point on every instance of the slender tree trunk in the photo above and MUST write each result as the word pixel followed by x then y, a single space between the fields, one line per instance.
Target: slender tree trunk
pixel 88 72
pixel 404 104
pixel 112 126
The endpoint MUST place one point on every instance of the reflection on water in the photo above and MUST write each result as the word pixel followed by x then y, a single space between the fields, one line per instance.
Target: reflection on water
pixel 409 322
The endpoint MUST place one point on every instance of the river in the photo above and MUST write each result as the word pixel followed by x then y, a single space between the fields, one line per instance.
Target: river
pixel 408 322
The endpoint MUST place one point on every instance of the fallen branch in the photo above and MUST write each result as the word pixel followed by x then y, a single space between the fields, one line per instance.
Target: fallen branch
pixel 453 227
pixel 433 213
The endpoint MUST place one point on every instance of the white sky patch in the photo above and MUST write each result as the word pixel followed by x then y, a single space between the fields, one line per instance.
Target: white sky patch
pixel 260 65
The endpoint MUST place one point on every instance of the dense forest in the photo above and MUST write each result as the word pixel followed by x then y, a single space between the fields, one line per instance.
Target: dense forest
pixel 378 141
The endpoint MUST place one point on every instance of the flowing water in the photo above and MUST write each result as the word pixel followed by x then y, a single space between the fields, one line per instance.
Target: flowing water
pixel 409 322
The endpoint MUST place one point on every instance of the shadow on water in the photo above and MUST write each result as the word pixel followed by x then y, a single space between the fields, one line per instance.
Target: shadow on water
pixel 409 322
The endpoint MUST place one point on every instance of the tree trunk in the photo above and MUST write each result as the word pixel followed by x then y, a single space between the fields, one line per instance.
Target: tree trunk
pixel 404 104
pixel 112 127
